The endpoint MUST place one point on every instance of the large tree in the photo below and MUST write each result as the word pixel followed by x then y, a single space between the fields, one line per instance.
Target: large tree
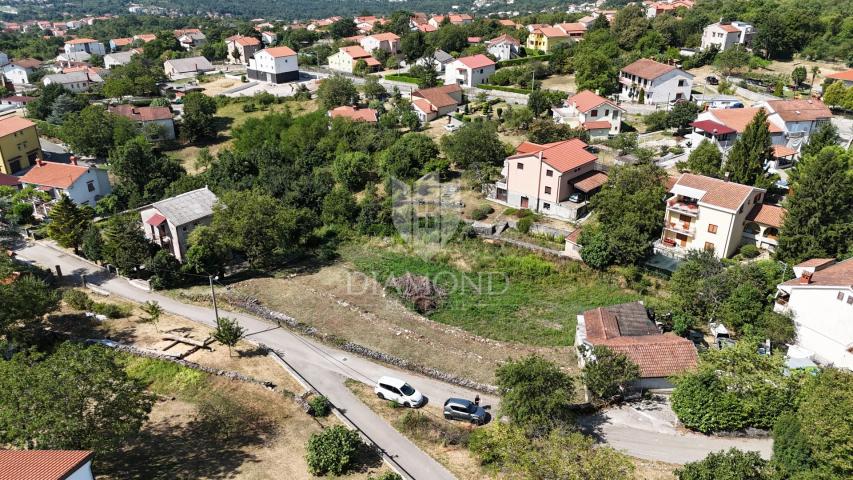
pixel 535 393
pixel 747 160
pixel 408 156
pixel 95 131
pixel 731 465
pixel 825 413
pixel 67 223
pixel 335 91
pixel 198 114
pixel 476 143
pixel 25 301
pixel 143 171
pixel 706 160
pixel 608 372
pixel 125 246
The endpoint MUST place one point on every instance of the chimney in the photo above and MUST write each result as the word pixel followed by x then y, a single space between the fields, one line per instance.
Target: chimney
pixel 40 162
pixel 73 160
pixel 806 278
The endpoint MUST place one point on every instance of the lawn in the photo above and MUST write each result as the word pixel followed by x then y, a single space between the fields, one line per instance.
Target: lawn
pixel 396 77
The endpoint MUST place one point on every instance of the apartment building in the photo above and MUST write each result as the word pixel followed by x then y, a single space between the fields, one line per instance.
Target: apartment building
pixel 725 35
pixel 655 82
pixel 469 71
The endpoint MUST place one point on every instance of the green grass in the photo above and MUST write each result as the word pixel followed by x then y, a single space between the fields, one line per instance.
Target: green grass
pixel 486 86
pixel 165 378
pixel 500 292
pixel 396 77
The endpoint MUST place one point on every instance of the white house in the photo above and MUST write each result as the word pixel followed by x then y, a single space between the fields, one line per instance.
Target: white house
pixel 112 60
pixel 169 222
pixel 439 60
pixel 269 38
pixel 658 82
pixel 388 42
pixel 503 47
pixel 18 71
pixel 431 103
pixel 798 119
pixel 186 67
pixel 84 185
pixel 722 126
pixel 190 38
pixel 347 57
pixel 88 45
pixel 597 115
pixel 240 49
pixel 820 298
pixel 469 71
pixel 146 117
pixel 77 82
pixel 725 35
pixel 274 65
pixel 47 464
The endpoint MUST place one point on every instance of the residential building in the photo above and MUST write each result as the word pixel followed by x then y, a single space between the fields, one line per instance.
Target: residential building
pixel 144 37
pixel 73 59
pixel 722 126
pixel 18 71
pixel 76 82
pixel 88 45
pixel 168 223
pixel 545 38
pixel 657 82
pixel 820 299
pixel 347 57
pixel 725 35
pixel 150 119
pixel 47 464
pixel 627 329
pixel 575 30
pixel 654 9
pixel 439 60
pixel 119 43
pixel 186 67
pixel 274 65
pixel 354 113
pixel 240 49
pixel 503 47
pixel 554 179
pixel 388 42
pixel 19 144
pixel 797 118
pixel 427 28
pixel 431 103
pixel 269 38
pixel 846 77
pixel 84 185
pixel 705 213
pixel 469 71
pixel 18 101
pixel 112 60
pixel 597 115
pixel 505 22
pixel 190 38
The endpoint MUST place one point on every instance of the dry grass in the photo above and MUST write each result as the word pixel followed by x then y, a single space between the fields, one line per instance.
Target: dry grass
pixel 563 83
pixel 652 470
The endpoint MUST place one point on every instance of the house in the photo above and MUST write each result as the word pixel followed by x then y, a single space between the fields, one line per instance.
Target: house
pixel 144 37
pixel 627 329
pixel 460 19
pixel 722 126
pixel 190 38
pixel 545 38
pixel 76 82
pixel 820 299
pixel 427 28
pixel 168 223
pixel 717 101
pixel 469 71
pixel 653 9
pixel 119 43
pixel 505 22
pixel 554 179
pixel 347 57
pixel 705 213
pixel 112 60
pixel 73 59
pixel 274 65
pixel 798 119
pixel 17 101
pixel 439 59
pixel 575 31
pixel 269 38
pixel 88 45
pixel 186 67
pixel 503 47
pixel 431 103
pixel 84 185
pixel 655 81
pixel 846 77
pixel 354 113
pixel 19 144
pixel 149 119
pixel 18 71
pixel 388 42
pixel 240 49
pixel 725 35
pixel 47 464
pixel 599 116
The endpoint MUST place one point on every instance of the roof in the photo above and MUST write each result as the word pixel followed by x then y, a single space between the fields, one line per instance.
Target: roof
pixel 187 207
pixel 439 96
pixel 767 215
pixel 729 28
pixel 426 28
pixel 27 63
pixel 423 105
pixel 718 193
pixel 142 114
pixel 800 110
pixel 503 39
pixel 8 180
pixel 597 125
pixel 739 118
pixel 441 56
pixel 590 181
pixel 191 64
pixel 74 77
pixel 574 236
pixel 55 175
pixel 563 156
pixel 626 328
pixel 551 32
pixel 648 69
pixel 572 27
pixel 41 464
pixel 846 76
pixel 476 61
pixel 354 113
pixel 780 151
pixel 14 124
pixel 815 262
pixel 586 100
pixel 244 41
pixel 711 126
pixel 81 40
pixel 121 57
pixel 385 37
pixel 277 52
pixel 837 275
pixel 355 51
pixel 155 219
pixel 120 42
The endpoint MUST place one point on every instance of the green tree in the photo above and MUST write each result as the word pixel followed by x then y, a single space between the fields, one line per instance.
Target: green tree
pixel 197 122
pixel 42 106
pixel 352 170
pixel 67 223
pixel 535 393
pixel 165 270
pixel 545 130
pixel 335 91
pixel 427 75
pixel 682 114
pixel 819 222
pixel 228 332
pixel 339 207
pixel 824 411
pixel 629 25
pixel 825 136
pixel 732 59
pixel 76 398
pixel 413 45
pixel 834 95
pixel 64 105
pixel 153 310
pixel 791 451
pixel 406 158
pixel 517 118
pixel 92 244
pixel 332 451
pixel 143 172
pixel 94 131
pixel 593 62
pixel 125 246
pixel 705 160
pixel 608 373
pixel 372 89
pixel 25 301
pixel 751 152
pixel 342 28
pixel 657 120
pixel 799 75
pixel 731 465
pixel 140 77
pixel 476 143
pixel 597 251
pixel 207 252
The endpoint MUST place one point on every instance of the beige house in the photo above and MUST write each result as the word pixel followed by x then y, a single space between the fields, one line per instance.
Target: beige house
pixel 705 213
pixel 431 103
pixel 347 57
pixel 387 41
pixel 597 115
pixel 240 48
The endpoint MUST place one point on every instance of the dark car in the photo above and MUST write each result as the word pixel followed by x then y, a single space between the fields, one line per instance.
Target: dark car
pixel 712 80
pixel 461 409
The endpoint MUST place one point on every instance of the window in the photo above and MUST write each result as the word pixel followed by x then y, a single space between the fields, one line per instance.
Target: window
pixel 681 83
pixel 850 300
pixel 90 185
pixel 519 166
pixel 549 173
pixel 757 198
pixel 594 113
pixel 840 296
pixel 712 228
pixel 547 206
pixel 547 190
pixel 709 246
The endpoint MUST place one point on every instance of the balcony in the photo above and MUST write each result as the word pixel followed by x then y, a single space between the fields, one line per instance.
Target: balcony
pixel 684 228
pixel 686 208
pixel 668 248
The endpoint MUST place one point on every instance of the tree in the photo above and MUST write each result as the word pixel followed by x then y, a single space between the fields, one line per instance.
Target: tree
pixel 427 75
pixel 476 143
pixel 799 75
pixel 413 45
pixel 165 270
pixel 545 130
pixel 825 136
pixel 682 114
pixel 608 373
pixel 351 169
pixel 815 71
pixel 335 91
pixel 207 253
pixel 593 62
pixel 25 301
pixel 198 114
pixel 125 246
pixel 342 28
pixel 332 450
pixel 791 451
pixel 42 106
pixel 731 465
pixel 360 68
pixel 819 222
pixel 535 393
pixel 705 160
pixel 657 120
pixel 824 411
pixel 64 105
pixel 228 332
pixel 517 118
pixel 835 95
pixel 540 101
pixel 596 252
pixel 94 131
pixel 406 158
pixel 67 223
pixel 153 310
pixel 139 78
pixel 76 398
pixel 629 25
pixel 732 59
pixel 339 207
pixel 143 171
pixel 751 152
pixel 373 90
pixel 91 244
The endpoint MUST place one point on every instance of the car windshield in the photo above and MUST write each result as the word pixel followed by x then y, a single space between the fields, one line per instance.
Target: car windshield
pixel 407 389
pixel 472 408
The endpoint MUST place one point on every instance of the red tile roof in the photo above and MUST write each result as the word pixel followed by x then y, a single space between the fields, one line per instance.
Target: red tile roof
pixel 438 96
pixel 586 100
pixel 120 42
pixel 563 156
pixel 245 41
pixel 503 39
pixel 476 61
pixel 846 76
pixel 728 28
pixel 713 127
pixel 648 69
pixel 815 262
pixel 41 464
pixel 353 113
pixel 596 125
pixel 10 125
pixel 739 118
pixel 780 151
pixel 27 63
pixel 800 110
pixel 277 52
pixel 142 114
pixel 719 193
pixel 767 215
pixel 385 37
pixel 572 27
pixel 837 275
pixel 80 40
pixel 155 219
pixel 551 32
pixel 355 51
pixel 590 181
pixel 52 174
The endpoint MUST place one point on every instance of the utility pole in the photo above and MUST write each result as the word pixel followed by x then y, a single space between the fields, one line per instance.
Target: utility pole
pixel 213 296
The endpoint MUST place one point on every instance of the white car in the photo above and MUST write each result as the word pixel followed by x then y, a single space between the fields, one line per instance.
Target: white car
pixel 396 390
pixel 452 127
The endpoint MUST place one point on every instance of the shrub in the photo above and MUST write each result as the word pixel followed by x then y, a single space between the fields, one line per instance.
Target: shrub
pixel 248 107
pixel 731 464
pixel 332 451
pixel 524 224
pixel 527 266
pixel 482 212
pixel 320 406
pixel 610 373
pixel 749 251
pixel 387 476
pixel 111 310
pixel 222 417
pixel 77 300
pixel 657 120
pixel 524 212
pixel 510 211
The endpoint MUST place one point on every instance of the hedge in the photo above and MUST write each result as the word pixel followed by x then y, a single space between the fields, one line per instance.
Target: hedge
pixel 522 60
pixel 401 78
pixel 524 91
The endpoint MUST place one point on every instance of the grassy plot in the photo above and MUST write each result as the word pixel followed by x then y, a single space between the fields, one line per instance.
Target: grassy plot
pixel 499 292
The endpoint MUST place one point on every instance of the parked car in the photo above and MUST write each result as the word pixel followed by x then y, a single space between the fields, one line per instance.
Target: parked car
pixel 712 80
pixel 461 409
pixel 452 127
pixel 396 390
pixel 577 197
pixel 735 105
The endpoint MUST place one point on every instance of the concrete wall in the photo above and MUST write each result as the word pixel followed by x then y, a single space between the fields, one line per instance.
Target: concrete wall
pixel 823 322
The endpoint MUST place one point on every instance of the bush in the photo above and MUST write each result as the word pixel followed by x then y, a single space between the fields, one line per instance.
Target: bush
pixel 249 107
pixel 222 417
pixel 657 120
pixel 320 406
pixel 387 476
pixel 332 451
pixel 731 464
pixel 524 212
pixel 482 212
pixel 524 224
pixel 749 251
pixel 111 310
pixel 77 300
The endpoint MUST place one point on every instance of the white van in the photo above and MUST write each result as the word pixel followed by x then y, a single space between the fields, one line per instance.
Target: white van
pixel 396 390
